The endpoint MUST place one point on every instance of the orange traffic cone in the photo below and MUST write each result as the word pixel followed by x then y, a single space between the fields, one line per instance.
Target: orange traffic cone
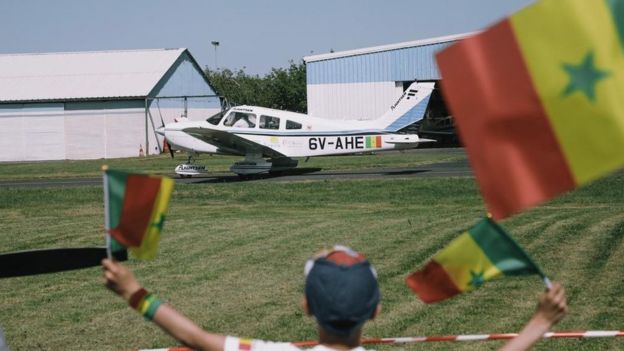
pixel 141 152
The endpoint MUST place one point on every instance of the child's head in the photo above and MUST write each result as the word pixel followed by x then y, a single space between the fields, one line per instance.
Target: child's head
pixel 341 290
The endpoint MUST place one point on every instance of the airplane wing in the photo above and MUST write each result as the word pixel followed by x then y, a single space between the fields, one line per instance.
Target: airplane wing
pixel 232 143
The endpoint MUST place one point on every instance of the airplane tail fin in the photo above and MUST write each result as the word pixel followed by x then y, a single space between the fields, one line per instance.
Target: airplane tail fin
pixel 408 109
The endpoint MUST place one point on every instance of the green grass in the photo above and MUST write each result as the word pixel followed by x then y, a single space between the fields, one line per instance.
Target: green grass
pixel 232 259
pixel 163 164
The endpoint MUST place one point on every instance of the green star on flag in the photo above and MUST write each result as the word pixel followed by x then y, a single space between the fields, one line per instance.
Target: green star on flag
pixel 159 224
pixel 477 278
pixel 583 77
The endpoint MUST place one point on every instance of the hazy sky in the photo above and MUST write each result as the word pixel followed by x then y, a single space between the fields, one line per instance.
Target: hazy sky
pixel 254 34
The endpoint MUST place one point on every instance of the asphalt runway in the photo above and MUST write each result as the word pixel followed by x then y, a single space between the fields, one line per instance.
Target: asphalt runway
pixel 442 169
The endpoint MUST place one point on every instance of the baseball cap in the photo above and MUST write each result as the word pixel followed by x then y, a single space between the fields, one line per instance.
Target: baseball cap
pixel 341 289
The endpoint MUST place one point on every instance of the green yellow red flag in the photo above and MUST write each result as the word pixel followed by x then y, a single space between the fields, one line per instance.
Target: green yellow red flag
pixel 135 206
pixel 537 99
pixel 483 252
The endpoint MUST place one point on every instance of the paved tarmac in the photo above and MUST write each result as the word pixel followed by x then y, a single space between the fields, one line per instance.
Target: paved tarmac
pixel 442 169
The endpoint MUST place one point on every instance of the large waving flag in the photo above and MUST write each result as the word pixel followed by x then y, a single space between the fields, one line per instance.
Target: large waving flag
pixel 482 253
pixel 538 99
pixel 135 206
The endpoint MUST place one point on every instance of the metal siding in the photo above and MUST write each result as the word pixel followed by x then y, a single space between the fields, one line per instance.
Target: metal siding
pixel 362 101
pixel 184 79
pixel 128 127
pixel 86 135
pixel 84 131
pixel 110 131
pixel 395 65
pixel 31 132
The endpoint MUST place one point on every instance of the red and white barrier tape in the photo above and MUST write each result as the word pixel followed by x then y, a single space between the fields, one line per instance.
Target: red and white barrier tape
pixel 469 337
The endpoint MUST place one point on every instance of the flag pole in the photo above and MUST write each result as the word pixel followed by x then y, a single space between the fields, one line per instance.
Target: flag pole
pixel 109 254
pixel 547 282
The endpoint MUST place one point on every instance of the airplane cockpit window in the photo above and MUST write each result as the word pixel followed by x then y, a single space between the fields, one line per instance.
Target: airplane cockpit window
pixel 215 119
pixel 268 122
pixel 292 125
pixel 240 120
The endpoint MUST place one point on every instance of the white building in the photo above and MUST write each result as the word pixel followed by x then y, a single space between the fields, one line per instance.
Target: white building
pixel 364 83
pixel 88 105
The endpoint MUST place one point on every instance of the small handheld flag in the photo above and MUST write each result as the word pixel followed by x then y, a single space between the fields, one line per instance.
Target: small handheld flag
pixel 482 253
pixel 537 100
pixel 134 210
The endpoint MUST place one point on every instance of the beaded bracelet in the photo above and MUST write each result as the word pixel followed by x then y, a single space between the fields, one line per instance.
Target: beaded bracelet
pixel 145 303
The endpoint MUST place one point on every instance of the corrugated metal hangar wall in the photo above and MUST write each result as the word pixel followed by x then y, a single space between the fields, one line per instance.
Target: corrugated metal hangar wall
pixel 90 105
pixel 363 83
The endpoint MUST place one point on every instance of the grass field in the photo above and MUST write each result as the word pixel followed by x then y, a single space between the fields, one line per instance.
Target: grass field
pixel 163 164
pixel 232 259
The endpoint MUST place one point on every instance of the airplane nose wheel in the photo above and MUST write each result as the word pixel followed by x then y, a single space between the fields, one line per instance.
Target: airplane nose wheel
pixel 190 168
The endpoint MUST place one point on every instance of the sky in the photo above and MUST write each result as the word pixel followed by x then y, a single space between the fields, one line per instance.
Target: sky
pixel 254 35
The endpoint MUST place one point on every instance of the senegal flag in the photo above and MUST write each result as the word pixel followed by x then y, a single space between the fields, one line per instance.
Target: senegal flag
pixel 539 100
pixel 135 207
pixel 483 252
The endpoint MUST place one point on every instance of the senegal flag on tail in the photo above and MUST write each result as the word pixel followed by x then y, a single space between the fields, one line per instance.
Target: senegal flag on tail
pixel 135 206
pixel 483 252
pixel 538 100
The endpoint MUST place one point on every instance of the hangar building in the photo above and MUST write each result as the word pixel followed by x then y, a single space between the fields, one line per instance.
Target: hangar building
pixel 363 83
pixel 88 105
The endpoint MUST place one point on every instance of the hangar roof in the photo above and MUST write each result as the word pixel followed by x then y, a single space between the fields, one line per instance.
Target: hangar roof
pixel 407 61
pixel 83 75
pixel 374 49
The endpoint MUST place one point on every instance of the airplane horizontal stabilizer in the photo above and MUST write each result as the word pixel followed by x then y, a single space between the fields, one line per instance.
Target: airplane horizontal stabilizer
pixel 405 139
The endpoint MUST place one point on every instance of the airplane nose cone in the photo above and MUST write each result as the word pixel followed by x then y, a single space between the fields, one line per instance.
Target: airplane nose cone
pixel 160 131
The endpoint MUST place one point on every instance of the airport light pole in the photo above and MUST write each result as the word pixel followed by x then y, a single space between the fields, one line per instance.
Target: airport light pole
pixel 215 44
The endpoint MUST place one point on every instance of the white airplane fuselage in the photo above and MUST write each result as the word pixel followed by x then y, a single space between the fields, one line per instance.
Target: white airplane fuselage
pixel 261 133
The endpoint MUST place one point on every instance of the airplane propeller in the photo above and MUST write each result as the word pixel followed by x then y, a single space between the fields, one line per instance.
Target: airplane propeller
pixel 161 131
pixel 170 150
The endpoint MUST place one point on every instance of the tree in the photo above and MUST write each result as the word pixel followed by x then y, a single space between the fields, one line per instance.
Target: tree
pixel 283 88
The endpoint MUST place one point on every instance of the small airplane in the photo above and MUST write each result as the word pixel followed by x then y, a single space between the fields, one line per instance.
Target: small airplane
pixel 270 140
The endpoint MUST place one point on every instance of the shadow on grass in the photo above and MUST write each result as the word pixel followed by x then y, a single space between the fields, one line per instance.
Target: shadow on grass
pixel 305 173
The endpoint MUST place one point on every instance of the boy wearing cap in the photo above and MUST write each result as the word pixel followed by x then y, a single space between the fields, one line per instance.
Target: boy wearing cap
pixel 341 292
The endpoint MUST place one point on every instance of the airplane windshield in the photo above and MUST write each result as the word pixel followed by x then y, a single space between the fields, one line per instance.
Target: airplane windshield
pixel 240 120
pixel 215 119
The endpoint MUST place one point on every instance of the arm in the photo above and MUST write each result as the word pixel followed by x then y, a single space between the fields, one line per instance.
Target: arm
pixel 551 308
pixel 121 281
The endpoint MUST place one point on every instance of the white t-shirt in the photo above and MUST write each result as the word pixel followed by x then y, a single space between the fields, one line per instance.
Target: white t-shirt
pixel 238 344
pixel 242 123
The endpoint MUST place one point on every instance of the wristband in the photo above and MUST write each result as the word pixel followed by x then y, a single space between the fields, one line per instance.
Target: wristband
pixel 136 298
pixel 145 303
pixel 151 309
